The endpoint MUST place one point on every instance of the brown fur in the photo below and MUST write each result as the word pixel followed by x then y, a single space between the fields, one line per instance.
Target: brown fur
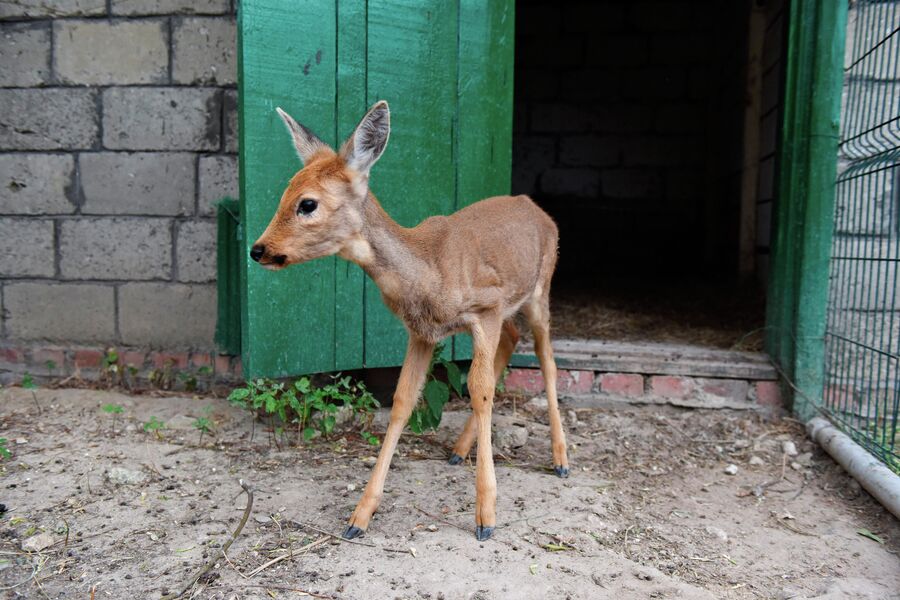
pixel 472 270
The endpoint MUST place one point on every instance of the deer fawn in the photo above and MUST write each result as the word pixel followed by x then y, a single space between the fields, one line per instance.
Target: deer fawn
pixel 473 270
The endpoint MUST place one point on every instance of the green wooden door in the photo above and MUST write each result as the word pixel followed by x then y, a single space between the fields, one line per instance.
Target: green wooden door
pixel 446 70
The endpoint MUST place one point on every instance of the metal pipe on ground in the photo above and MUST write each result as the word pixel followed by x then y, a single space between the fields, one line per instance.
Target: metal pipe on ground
pixel 876 478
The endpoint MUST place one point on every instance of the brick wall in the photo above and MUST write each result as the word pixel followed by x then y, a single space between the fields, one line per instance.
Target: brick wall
pixel 117 134
pixel 628 127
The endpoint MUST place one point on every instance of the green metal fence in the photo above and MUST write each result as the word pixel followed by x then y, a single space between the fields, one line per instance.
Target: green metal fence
pixel 862 337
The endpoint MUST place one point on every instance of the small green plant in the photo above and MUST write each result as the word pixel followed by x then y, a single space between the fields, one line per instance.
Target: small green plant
pixel 51 366
pixel 154 425
pixel 28 384
pixel 203 425
pixel 5 454
pixel 313 409
pixel 428 412
pixel 115 410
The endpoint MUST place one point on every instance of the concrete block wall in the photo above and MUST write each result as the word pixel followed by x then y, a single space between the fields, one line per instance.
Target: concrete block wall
pixel 610 131
pixel 118 134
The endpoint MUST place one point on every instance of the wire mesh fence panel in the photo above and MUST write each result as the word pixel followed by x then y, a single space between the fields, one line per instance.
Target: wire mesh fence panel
pixel 862 339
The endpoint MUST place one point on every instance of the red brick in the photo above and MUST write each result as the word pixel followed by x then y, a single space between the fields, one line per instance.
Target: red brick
pixel 201 360
pixel 89 359
pixel 667 386
pixel 223 364
pixel 177 360
pixel 42 355
pixel 13 355
pixel 768 393
pixel 574 382
pixel 134 358
pixel 623 384
pixel 728 389
pixel 526 381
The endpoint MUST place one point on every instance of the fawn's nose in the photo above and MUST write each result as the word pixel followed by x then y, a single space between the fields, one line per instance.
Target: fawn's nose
pixel 257 251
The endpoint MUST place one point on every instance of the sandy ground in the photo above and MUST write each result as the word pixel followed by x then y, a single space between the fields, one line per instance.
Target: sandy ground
pixel 648 512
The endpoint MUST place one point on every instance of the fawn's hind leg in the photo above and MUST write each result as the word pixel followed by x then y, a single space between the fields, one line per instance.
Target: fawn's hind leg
pixel 508 339
pixel 537 311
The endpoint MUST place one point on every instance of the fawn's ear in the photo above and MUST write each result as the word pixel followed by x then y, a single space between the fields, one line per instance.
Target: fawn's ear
pixel 305 141
pixel 369 140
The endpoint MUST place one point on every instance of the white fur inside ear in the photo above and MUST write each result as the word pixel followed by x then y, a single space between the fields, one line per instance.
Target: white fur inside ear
pixel 305 141
pixel 370 138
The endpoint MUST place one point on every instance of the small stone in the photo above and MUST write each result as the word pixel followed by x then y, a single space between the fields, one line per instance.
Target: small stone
pixel 805 459
pixel 37 542
pixel 789 448
pixel 351 487
pixel 261 518
pixel 538 402
pixel 717 533
pixel 742 444
pixel 756 461
pixel 572 417
pixel 431 527
pixel 796 466
pixel 123 476
pixel 731 470
pixel 370 461
pixel 513 436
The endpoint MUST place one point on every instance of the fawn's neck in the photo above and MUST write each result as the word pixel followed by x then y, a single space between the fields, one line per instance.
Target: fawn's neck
pixel 384 251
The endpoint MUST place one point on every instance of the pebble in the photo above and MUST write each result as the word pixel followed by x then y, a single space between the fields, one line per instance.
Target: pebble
pixel 538 402
pixel 123 476
pixel 37 542
pixel 369 461
pixel 718 533
pixel 731 470
pixel 756 461
pixel 351 487
pixel 796 466
pixel 805 459
pixel 789 448
pixel 513 436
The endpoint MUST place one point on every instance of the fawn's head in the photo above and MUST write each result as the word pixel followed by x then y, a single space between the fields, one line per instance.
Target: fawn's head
pixel 321 211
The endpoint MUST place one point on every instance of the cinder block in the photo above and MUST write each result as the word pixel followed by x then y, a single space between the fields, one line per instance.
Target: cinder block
pixel 662 151
pixel 661 15
pixel 682 48
pixel 69 312
pixel 26 247
pixel 218 179
pixel 204 51
pixel 48 119
pixel 583 183
pixel 532 155
pixel 591 84
pixel 170 7
pixel 32 184
pixel 158 118
pixel 589 150
pixel 230 118
pixel 51 8
pixel 538 19
pixel 195 243
pixel 536 84
pixel 553 118
pixel 685 117
pixel 631 183
pixel 24 54
pixel 115 248
pixel 167 315
pixel 654 83
pixel 623 118
pixel 548 50
pixel 620 50
pixel 111 52
pixel 591 17
pixel 143 183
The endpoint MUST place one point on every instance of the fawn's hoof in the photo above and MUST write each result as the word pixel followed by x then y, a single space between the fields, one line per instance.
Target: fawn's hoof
pixel 483 533
pixel 561 471
pixel 353 532
pixel 455 459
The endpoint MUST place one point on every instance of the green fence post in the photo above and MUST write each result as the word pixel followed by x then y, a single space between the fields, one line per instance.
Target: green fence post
pixel 802 244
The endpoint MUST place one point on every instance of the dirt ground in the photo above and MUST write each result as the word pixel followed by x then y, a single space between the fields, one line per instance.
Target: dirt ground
pixel 110 511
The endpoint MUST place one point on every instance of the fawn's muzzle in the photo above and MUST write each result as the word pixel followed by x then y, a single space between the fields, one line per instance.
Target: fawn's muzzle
pixel 257 251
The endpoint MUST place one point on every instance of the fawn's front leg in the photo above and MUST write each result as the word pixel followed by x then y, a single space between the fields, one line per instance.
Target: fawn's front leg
pixel 485 337
pixel 412 377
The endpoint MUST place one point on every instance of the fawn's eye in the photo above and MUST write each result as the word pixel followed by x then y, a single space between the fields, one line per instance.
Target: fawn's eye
pixel 306 206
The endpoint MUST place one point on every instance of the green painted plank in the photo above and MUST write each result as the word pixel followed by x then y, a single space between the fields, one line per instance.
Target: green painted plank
pixel 285 60
pixel 351 104
pixel 411 49
pixel 485 113
pixel 229 250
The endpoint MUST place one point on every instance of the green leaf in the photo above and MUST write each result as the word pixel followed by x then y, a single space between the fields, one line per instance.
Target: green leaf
pixel 309 433
pixel 454 376
pixel 870 535
pixel 238 394
pixel 436 395
pixel 328 424
pixel 415 422
pixel 28 382
pixel 113 409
